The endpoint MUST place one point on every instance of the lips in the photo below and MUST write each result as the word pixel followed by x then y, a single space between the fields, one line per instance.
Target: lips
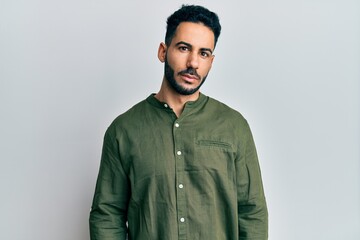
pixel 190 77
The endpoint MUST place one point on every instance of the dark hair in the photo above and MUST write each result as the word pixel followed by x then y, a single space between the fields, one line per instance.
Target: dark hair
pixel 195 14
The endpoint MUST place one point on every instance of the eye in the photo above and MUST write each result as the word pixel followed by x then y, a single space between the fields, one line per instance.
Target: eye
pixel 204 54
pixel 183 48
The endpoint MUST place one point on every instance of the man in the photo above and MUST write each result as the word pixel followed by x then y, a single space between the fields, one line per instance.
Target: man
pixel 180 165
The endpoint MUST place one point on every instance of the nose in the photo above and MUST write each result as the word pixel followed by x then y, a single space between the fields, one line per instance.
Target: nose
pixel 193 60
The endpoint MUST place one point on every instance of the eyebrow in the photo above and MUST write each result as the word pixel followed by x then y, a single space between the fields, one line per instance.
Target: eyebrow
pixel 190 46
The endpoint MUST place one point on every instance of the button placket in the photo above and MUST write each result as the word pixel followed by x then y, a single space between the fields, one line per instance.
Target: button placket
pixel 180 154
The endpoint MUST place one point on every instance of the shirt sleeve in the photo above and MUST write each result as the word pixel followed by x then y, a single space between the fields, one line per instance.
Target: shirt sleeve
pixel 252 209
pixel 108 214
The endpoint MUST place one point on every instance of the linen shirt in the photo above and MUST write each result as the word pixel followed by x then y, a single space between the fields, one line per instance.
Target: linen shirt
pixel 193 177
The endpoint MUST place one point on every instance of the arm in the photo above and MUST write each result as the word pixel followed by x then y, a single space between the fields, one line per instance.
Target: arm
pixel 252 209
pixel 108 214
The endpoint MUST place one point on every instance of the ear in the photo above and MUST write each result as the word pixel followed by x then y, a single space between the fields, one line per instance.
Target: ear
pixel 212 59
pixel 162 52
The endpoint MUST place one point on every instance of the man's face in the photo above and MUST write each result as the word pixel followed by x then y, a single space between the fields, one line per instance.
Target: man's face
pixel 189 57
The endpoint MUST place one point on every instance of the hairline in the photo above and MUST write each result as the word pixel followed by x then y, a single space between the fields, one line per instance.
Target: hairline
pixel 187 21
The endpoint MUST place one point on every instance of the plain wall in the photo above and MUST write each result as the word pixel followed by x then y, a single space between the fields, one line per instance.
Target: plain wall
pixel 68 68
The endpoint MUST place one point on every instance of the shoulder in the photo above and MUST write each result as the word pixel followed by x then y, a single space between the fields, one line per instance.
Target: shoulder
pixel 227 120
pixel 130 117
pixel 221 109
pixel 228 117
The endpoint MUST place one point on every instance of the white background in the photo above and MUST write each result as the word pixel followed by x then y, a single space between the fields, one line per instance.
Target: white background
pixel 68 68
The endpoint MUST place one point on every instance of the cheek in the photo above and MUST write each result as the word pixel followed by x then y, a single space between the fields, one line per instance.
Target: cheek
pixel 205 70
pixel 177 61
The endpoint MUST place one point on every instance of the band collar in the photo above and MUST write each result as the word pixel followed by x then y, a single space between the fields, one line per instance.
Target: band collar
pixel 198 103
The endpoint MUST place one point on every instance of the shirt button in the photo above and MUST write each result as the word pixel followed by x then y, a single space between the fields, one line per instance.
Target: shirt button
pixel 177 125
pixel 165 105
pixel 182 219
pixel 178 153
pixel 181 186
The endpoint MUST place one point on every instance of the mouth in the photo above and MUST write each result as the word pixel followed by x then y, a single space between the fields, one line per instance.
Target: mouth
pixel 190 78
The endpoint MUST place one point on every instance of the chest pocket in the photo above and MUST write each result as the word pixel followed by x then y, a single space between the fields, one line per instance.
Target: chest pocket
pixel 213 155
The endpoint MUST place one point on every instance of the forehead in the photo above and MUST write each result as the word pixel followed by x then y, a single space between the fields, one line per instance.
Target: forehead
pixel 196 34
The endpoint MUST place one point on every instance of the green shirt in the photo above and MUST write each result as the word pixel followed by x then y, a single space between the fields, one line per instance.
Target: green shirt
pixel 167 178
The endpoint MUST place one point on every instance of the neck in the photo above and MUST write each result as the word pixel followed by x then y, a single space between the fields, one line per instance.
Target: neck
pixel 175 100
